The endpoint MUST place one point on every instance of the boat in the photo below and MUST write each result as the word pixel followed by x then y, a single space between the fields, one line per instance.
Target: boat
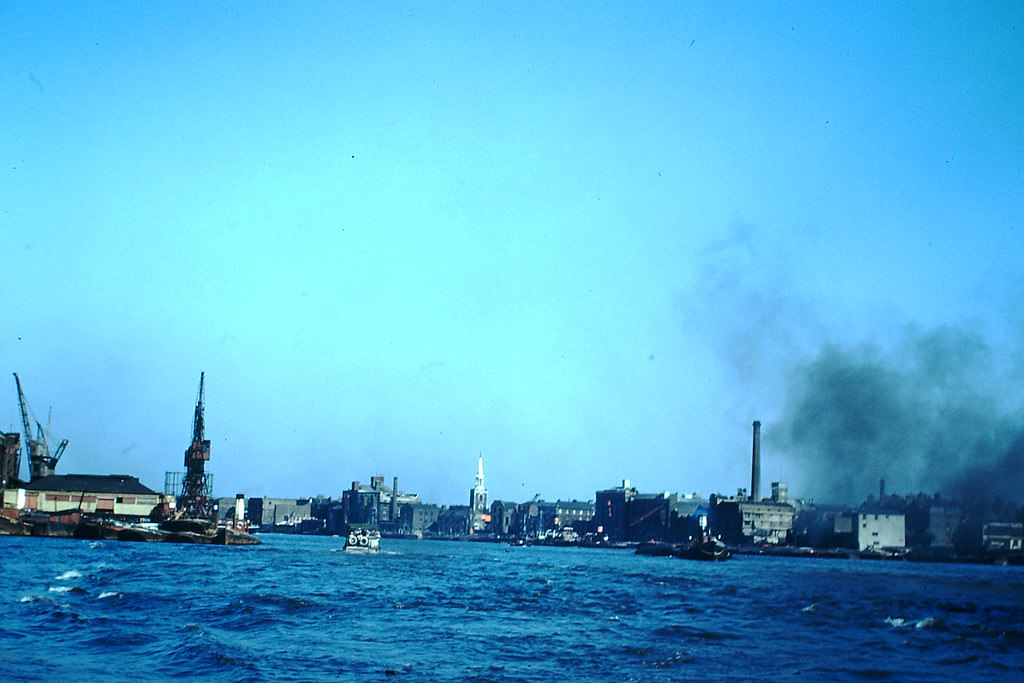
pixel 710 550
pixel 362 539
pixel 97 528
pixel 144 532
pixel 191 530
pixel 656 549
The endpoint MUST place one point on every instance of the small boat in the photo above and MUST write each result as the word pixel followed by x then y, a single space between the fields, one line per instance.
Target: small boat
pixel 363 539
pixel 712 550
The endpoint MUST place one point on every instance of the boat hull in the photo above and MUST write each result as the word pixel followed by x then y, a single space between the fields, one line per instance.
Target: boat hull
pixel 362 540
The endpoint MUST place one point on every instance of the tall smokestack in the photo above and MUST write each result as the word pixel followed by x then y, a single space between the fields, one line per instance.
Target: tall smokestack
pixel 394 501
pixel 755 464
pixel 881 489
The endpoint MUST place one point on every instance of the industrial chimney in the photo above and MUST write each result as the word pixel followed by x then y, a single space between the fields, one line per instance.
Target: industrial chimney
pixel 755 465
pixel 394 502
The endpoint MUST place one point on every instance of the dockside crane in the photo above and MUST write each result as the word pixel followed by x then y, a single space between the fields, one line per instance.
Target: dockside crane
pixel 195 501
pixel 40 462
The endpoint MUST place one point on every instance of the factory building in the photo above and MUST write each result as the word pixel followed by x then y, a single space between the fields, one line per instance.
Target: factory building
pixel 740 520
pixel 751 519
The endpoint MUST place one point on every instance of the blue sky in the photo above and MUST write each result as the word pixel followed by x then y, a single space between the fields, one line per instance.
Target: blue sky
pixel 591 242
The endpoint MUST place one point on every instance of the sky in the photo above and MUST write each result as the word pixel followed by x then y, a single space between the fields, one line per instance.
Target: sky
pixel 587 241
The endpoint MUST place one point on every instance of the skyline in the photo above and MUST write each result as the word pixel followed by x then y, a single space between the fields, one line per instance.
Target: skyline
pixel 592 244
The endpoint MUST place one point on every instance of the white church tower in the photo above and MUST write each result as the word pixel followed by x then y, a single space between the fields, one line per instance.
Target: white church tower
pixel 478 513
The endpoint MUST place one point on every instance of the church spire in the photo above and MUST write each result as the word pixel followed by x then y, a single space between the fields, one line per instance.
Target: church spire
pixel 478 500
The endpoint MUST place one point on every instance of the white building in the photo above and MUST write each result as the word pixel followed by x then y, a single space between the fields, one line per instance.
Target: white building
pixel 881 529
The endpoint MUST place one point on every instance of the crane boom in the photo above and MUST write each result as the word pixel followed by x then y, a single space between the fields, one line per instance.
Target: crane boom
pixel 197 421
pixel 24 412
pixel 40 462
pixel 59 452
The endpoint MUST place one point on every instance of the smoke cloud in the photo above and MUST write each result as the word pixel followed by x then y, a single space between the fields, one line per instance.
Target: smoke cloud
pixel 932 409
pixel 933 415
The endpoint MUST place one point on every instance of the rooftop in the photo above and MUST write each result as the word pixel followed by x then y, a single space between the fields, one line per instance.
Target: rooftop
pixel 91 483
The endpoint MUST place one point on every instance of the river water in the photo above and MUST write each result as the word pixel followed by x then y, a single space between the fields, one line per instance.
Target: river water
pixel 297 608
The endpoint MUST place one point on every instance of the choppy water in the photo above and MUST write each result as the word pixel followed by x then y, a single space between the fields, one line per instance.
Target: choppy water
pixel 297 608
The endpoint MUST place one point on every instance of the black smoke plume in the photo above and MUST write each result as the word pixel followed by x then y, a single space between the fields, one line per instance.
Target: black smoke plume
pixel 934 414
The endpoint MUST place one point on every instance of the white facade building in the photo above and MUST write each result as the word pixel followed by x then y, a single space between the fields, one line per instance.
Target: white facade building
pixel 882 529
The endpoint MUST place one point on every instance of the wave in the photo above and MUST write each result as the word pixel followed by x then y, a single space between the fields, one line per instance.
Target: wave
pixel 65 589
pixel 108 594
pixel 68 575
pixel 899 622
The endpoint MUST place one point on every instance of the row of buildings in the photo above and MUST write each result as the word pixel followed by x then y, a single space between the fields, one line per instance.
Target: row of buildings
pixel 624 515
pixel 617 515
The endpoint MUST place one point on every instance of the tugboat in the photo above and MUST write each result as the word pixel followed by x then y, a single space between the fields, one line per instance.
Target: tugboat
pixel 362 539
pixel 708 549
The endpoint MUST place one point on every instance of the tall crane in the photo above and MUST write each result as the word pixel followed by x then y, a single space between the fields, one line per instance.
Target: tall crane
pixel 40 462
pixel 195 501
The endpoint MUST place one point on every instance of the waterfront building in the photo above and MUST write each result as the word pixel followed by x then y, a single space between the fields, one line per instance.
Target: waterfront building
pixel 742 520
pixel 390 505
pixel 280 514
pixel 690 518
pixel 943 522
pixel 573 512
pixel 649 517
pixel 361 504
pixel 117 496
pixel 880 528
pixel 823 526
pixel 533 519
pixel 977 536
pixel 453 521
pixel 502 515
pixel 417 518
pixel 611 512
pixel 10 451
